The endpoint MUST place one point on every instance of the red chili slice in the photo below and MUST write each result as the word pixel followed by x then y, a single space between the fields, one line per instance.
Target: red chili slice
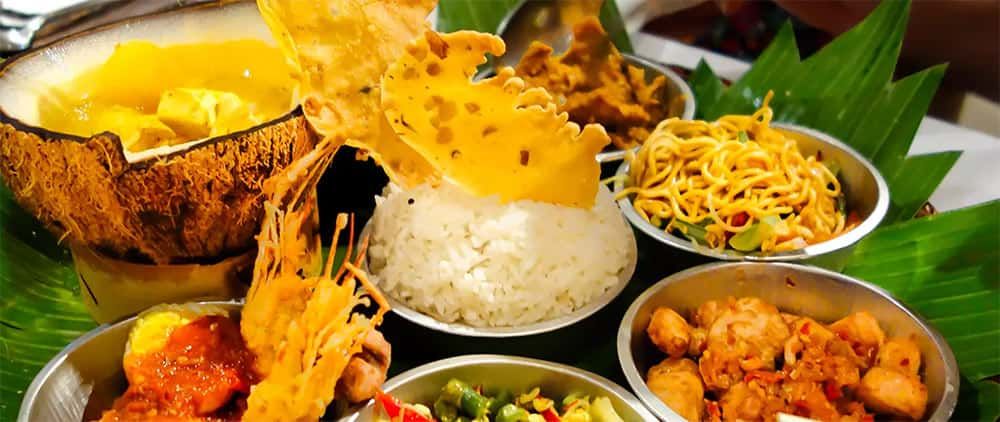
pixel 389 403
pixel 393 409
pixel 739 220
pixel 714 414
pixel 551 415
pixel 765 376
pixel 412 416
pixel 801 408
pixel 832 390
pixel 570 406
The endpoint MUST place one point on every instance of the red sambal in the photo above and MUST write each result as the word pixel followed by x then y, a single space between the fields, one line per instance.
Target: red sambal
pixel 205 371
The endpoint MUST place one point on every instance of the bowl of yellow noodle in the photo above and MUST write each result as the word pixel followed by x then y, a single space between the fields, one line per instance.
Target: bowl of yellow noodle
pixel 745 188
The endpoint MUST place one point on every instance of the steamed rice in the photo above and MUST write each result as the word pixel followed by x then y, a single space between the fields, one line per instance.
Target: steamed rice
pixel 473 260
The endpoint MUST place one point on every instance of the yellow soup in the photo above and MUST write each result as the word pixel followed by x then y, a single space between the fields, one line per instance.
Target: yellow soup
pixel 152 96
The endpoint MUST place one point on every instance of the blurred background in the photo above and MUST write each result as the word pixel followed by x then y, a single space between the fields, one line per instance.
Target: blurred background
pixel 963 33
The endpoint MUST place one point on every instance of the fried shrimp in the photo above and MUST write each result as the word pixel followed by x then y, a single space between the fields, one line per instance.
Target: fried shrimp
pixel 305 330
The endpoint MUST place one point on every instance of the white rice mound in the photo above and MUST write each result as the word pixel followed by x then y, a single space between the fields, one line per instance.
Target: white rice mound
pixel 476 261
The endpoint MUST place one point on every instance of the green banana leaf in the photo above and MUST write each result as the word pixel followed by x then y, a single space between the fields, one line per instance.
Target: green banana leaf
pixel 979 401
pixel 951 278
pixel 476 15
pixel 946 268
pixel 40 309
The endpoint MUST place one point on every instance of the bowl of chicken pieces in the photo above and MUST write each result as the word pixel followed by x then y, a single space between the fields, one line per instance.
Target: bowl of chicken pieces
pixel 769 341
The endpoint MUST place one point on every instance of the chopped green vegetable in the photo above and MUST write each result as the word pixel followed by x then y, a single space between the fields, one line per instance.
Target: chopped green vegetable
pixel 570 399
pixel 833 166
pixel 601 410
pixel 540 404
pixel 695 232
pixel 446 412
pixel 526 398
pixel 465 398
pixel 577 414
pixel 500 400
pixel 575 402
pixel 421 409
pixel 459 402
pixel 511 413
pixel 747 240
pixel 743 137
pixel 751 239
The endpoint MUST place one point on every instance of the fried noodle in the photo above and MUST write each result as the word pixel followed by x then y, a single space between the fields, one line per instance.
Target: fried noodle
pixel 729 174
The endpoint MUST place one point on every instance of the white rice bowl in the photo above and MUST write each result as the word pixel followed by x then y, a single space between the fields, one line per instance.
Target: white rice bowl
pixel 476 261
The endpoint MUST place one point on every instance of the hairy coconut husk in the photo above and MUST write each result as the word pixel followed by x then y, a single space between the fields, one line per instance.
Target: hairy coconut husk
pixel 196 205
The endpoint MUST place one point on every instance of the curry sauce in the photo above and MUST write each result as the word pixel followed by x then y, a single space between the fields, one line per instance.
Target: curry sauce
pixel 203 370
pixel 152 95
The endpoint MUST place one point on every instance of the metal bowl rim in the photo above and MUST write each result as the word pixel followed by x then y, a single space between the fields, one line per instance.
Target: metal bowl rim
pixel 28 401
pixel 541 327
pixel 676 80
pixel 478 359
pixel 838 243
pixel 638 385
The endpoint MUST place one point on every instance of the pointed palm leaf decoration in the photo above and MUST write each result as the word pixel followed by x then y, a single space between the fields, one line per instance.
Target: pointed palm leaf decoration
pixel 846 90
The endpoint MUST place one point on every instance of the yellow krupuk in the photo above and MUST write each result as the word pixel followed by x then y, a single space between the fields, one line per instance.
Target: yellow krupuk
pixel 492 137
pixel 341 48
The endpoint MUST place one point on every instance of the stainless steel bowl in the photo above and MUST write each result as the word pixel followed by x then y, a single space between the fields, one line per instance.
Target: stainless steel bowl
pixel 820 294
pixel 516 374
pixel 85 378
pixel 866 191
pixel 674 88
pixel 419 318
